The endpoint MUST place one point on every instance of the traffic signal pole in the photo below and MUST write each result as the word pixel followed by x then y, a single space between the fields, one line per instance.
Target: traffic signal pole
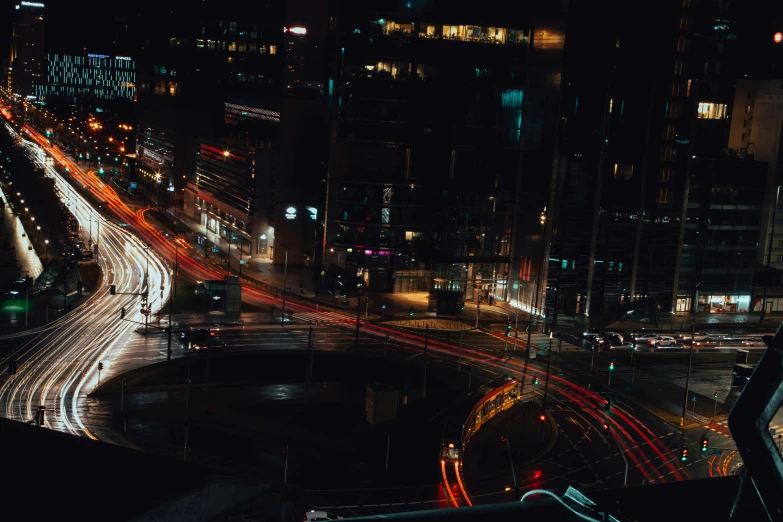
pixel 548 359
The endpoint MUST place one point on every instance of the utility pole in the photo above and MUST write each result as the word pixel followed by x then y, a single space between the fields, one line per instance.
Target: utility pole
pixel 690 356
pixel 358 316
pixel 426 338
pixel 461 338
pixel 171 327
pixel 176 262
pixel 548 359
pixel 285 284
pixel 769 259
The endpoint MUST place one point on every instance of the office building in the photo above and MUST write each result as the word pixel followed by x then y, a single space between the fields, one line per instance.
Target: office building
pixel 191 66
pixel 440 167
pixel 94 77
pixel 635 126
pixel 28 55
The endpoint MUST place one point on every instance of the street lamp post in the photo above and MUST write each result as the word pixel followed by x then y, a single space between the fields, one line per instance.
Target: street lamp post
pixel 542 221
pixel 769 258
pixel 46 249
pixel 690 356
pixel 285 282
pixel 38 235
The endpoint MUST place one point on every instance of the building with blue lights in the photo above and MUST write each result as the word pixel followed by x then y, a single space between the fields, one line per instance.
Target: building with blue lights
pixel 97 77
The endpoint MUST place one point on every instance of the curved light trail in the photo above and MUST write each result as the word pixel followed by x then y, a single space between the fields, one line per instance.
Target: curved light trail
pixel 648 453
pixel 61 359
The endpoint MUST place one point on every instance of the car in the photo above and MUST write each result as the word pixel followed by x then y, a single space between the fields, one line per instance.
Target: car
pixel 648 339
pixel 610 340
pixel 591 334
pixel 667 341
pixel 319 516
pixel 707 341
pixel 195 336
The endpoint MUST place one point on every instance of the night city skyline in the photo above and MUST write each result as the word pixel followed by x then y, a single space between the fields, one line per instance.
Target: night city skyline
pixel 296 260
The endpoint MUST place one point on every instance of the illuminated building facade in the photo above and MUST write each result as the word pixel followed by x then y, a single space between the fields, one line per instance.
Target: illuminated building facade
pixel 94 76
pixel 28 55
pixel 639 126
pixel 441 163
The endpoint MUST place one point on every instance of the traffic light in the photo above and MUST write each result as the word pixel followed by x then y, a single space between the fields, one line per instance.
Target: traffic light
pixel 606 404
pixel 388 338
pixel 606 429
pixel 715 396
pixel 705 443
pixel 122 313
pixel 535 381
pixel 503 439
pixel 508 328
pixel 101 171
pixel 462 308
pixel 410 312
pixel 100 366
pixel 112 289
pixel 542 418
pixel 684 454
pixel 611 366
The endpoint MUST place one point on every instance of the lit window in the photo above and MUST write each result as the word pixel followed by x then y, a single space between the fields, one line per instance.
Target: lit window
pixel 272 49
pixel 666 175
pixel 748 108
pixel 682 45
pixel 664 195
pixel 712 111
pixel 685 22
pixel 669 132
pixel 611 103
pixel 232 46
pixel 678 66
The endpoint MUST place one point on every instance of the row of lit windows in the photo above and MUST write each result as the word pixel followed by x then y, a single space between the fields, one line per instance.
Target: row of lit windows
pixel 235 47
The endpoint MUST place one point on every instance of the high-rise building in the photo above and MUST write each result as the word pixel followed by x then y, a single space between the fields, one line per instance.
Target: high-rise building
pixel 28 55
pixel 191 65
pixel 636 124
pixel 98 77
pixel 441 161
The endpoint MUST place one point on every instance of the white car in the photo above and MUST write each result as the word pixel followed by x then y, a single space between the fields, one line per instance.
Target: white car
pixel 320 516
pixel 667 341
pixel 648 339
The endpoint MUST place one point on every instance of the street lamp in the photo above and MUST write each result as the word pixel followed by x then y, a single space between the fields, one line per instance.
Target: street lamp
pixel 542 222
pixel 46 249
pixel 37 234
pixel 690 356
pixel 285 283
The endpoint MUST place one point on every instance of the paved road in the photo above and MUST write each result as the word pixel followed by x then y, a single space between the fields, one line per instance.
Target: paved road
pixel 58 363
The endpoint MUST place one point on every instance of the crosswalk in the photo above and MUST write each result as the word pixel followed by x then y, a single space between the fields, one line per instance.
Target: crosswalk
pixel 722 427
